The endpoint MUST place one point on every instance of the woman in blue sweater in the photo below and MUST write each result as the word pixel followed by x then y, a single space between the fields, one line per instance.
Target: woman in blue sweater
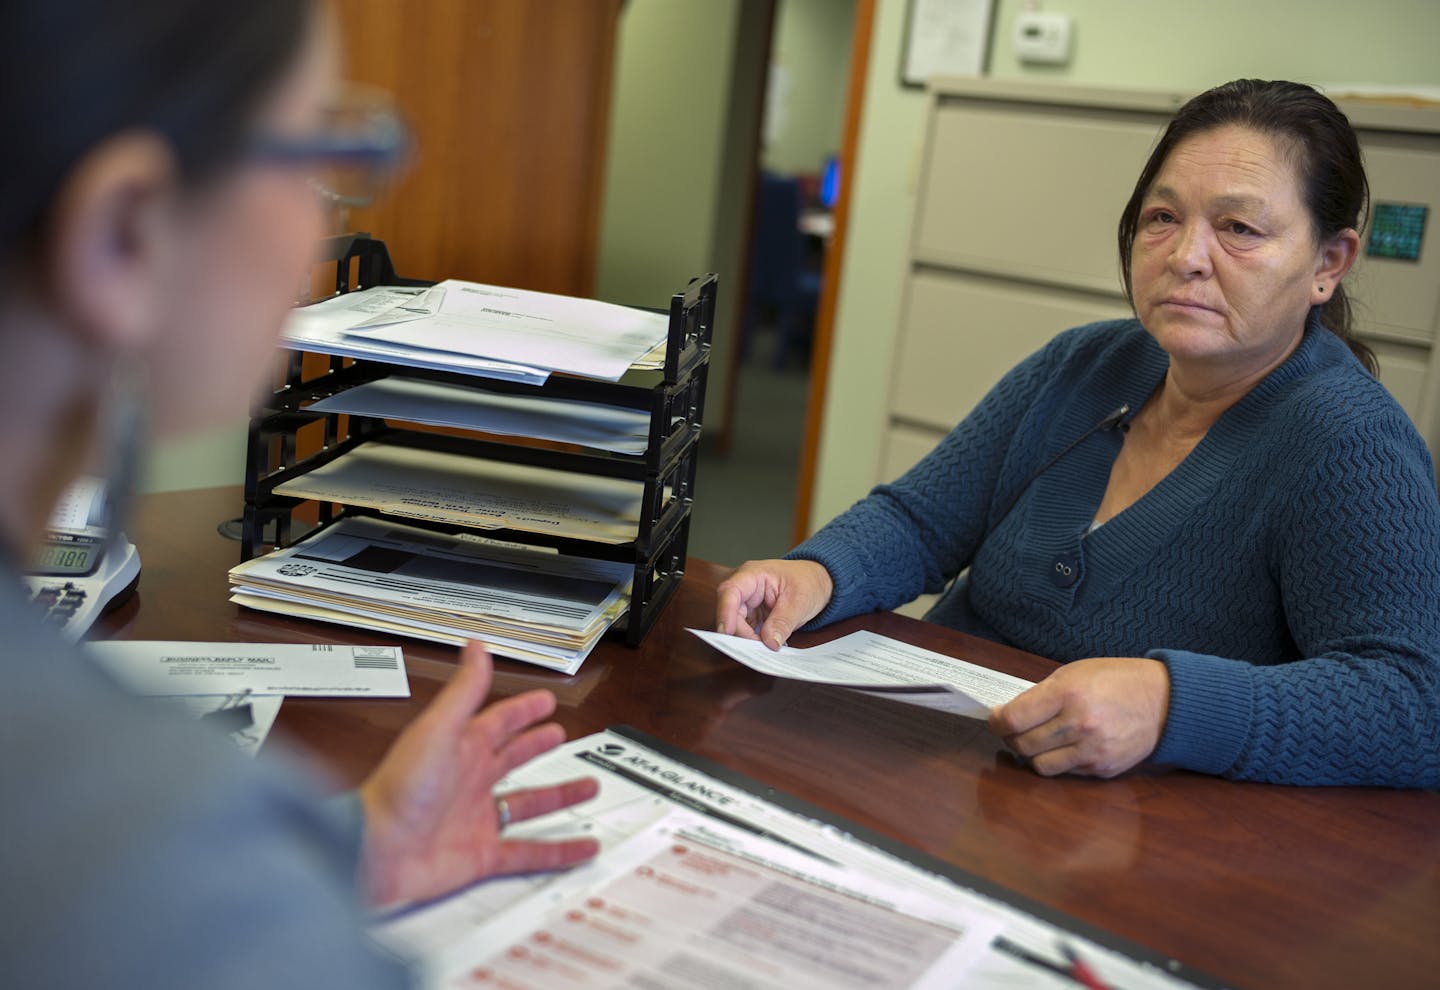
pixel 1213 514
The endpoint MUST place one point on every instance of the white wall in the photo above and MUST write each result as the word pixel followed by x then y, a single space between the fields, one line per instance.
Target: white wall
pixel 1164 44
pixel 683 125
pixel 810 66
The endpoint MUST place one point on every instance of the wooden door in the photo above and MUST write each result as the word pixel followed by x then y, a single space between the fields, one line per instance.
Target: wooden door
pixel 508 101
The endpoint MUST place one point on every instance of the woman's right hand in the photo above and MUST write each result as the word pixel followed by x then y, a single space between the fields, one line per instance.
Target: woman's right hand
pixel 769 599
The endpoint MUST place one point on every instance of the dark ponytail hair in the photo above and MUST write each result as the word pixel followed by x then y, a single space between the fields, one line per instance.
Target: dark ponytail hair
pixel 75 72
pixel 1326 154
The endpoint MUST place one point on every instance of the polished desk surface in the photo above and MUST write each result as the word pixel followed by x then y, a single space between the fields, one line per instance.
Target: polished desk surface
pixel 1258 885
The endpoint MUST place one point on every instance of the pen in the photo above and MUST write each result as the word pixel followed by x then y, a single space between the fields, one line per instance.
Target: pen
pixel 1080 972
pixel 1023 954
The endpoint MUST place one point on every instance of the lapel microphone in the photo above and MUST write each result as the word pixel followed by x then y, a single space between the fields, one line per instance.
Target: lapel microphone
pixel 1110 422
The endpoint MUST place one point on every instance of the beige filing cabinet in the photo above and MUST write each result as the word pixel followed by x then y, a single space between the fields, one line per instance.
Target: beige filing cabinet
pixel 1014 240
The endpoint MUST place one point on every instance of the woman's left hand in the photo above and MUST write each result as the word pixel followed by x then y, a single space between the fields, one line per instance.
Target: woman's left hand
pixel 1099 716
pixel 431 821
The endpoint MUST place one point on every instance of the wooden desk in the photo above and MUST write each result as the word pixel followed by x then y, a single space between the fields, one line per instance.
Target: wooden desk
pixel 1262 886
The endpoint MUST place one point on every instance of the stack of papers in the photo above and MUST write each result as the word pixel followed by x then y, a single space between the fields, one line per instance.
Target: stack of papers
pixel 585 424
pixel 476 493
pixel 523 602
pixel 485 330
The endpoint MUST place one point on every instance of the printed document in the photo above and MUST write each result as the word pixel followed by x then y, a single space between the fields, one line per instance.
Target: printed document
pixel 321 327
pixel 642 791
pixel 316 670
pixel 588 424
pixel 537 329
pixel 477 493
pixel 523 602
pixel 883 666
pixel 692 902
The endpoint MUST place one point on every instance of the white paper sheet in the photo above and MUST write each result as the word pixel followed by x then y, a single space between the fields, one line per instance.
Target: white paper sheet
pixel 538 329
pixel 209 709
pixel 318 670
pixel 322 326
pixel 640 787
pixel 690 901
pixel 81 507
pixel 589 424
pixel 882 666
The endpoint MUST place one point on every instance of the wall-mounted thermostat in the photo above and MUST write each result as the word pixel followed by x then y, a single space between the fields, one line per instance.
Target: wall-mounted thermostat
pixel 1041 37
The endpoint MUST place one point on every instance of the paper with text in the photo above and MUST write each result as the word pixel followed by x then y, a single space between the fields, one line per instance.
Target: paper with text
pixel 640 788
pixel 477 493
pixel 883 666
pixel 321 327
pixel 694 902
pixel 318 670
pixel 538 329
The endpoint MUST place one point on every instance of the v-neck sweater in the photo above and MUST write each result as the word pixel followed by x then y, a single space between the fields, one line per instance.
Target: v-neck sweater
pixel 1286 572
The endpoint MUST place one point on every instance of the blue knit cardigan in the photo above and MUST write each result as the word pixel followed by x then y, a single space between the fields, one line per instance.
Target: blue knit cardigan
pixel 1287 572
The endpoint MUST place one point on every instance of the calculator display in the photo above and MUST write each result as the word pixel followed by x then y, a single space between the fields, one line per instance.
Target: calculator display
pixel 68 555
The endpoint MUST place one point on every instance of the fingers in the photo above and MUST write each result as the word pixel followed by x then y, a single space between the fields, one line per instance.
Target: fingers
pixel 525 747
pixel 536 801
pixel 466 691
pixel 524 856
pixel 1031 708
pixel 733 605
pixel 786 616
pixel 506 719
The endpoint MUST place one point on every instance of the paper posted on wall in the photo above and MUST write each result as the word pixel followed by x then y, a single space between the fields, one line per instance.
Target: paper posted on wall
pixel 876 664
pixel 523 602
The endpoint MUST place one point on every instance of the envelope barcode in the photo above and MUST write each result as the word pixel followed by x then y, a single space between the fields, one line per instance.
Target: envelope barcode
pixel 376 663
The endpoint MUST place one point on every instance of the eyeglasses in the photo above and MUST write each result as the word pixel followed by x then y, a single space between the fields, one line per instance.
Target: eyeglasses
pixel 353 155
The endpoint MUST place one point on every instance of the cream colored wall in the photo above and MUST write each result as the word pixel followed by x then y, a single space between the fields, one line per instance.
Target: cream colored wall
pixel 682 124
pixel 1168 44
pixel 812 47
pixel 1142 43
pixel 203 460
pixel 882 199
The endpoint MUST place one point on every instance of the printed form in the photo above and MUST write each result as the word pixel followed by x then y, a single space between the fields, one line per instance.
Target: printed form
pixel 700 882
pixel 876 664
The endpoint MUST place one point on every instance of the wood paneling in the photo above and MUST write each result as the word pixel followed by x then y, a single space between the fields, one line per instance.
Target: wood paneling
pixel 509 103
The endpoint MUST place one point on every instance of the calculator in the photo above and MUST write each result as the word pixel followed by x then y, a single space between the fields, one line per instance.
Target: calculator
pixel 80 570
pixel 77 575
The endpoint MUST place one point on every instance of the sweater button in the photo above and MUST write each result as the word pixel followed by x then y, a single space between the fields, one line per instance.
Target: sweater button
pixel 1065 572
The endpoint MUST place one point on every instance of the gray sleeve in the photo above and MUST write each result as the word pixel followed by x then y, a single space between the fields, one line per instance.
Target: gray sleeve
pixel 140 851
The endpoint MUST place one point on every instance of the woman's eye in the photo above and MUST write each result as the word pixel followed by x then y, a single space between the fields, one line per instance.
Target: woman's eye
pixel 1162 216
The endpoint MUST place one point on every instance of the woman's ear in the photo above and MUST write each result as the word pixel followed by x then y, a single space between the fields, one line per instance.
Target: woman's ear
pixel 1336 256
pixel 109 241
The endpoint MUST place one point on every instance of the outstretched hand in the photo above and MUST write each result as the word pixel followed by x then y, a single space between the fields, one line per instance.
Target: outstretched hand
pixel 431 823
pixel 1098 717
pixel 769 599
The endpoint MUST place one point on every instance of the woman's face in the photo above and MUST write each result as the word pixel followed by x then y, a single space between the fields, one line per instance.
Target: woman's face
pixel 1225 265
pixel 242 252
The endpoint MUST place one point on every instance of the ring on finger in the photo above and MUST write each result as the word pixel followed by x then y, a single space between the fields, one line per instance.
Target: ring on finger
pixel 502 811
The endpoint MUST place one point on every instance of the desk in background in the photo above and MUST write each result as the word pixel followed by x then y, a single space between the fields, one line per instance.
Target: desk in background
pixel 1262 886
